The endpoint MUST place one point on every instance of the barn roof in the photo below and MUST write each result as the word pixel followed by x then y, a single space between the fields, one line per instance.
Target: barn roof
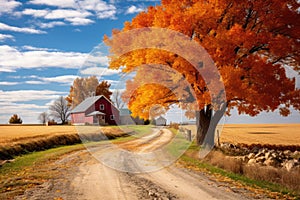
pixel 88 102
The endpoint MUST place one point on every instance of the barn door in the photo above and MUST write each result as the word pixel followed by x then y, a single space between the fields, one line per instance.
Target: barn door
pixel 101 120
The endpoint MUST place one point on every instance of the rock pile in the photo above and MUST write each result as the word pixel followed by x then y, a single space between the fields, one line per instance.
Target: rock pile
pixel 263 156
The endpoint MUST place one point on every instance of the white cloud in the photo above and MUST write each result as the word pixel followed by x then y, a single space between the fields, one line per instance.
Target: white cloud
pixel 35 82
pixel 99 71
pixel 58 3
pixel 6 27
pixel 67 79
pixel 14 106
pixel 51 24
pixel 107 14
pixel 79 21
pixel 8 83
pixel 28 95
pixel 8 6
pixel 7 70
pixel 31 76
pixel 76 17
pixel 57 14
pixel 35 13
pixel 31 48
pixel 66 13
pixel 100 8
pixel 12 59
pixel 4 37
pixel 96 5
pixel 133 9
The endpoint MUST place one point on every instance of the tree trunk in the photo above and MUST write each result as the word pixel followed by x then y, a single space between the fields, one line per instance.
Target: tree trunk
pixel 207 123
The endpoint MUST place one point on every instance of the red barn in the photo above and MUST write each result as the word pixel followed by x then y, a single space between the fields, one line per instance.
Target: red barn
pixel 95 110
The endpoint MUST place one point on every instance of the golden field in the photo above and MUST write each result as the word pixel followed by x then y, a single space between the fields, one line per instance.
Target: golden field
pixel 278 134
pixel 15 133
pixel 23 133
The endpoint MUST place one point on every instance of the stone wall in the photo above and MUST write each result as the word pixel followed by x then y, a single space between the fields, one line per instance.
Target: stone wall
pixel 287 157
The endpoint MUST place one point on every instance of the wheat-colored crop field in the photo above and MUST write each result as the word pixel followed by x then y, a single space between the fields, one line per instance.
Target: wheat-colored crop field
pixel 278 134
pixel 18 134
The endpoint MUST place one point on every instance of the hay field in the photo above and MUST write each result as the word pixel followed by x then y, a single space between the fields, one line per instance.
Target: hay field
pixel 278 134
pixel 18 134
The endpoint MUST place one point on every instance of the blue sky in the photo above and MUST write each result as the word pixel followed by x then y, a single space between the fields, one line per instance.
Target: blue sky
pixel 45 43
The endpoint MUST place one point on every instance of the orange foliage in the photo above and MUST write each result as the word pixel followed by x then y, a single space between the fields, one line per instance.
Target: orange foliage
pixel 103 89
pixel 251 43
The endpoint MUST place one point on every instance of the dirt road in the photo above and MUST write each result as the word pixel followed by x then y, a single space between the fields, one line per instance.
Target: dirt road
pixel 83 176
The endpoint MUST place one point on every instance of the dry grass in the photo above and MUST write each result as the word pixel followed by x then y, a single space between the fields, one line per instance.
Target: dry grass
pixel 280 176
pixel 218 159
pixel 275 175
pixel 276 134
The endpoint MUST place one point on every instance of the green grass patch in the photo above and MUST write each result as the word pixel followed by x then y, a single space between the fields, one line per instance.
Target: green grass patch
pixel 37 157
pixel 178 145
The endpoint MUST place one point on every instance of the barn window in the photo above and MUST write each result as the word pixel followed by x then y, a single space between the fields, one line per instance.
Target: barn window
pixel 112 117
pixel 101 106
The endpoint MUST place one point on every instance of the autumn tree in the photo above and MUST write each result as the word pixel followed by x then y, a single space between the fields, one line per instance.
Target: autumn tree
pixel 251 44
pixel 81 89
pixel 60 109
pixel 43 117
pixel 103 89
pixel 15 119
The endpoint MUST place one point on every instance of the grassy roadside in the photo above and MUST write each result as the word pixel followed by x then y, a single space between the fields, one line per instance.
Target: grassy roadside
pixel 189 160
pixel 35 168
pixel 29 170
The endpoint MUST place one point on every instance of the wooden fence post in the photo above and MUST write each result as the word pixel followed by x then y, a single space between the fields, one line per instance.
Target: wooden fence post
pixel 218 138
pixel 189 135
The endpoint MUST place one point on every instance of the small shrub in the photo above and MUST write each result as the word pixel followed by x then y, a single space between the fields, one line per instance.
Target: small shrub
pixel 15 119
pixel 52 122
